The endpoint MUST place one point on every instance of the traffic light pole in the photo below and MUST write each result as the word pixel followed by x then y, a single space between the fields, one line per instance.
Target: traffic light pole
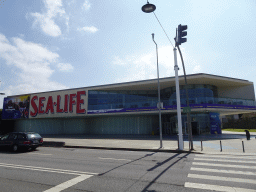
pixel 179 39
pixel 176 68
pixel 187 98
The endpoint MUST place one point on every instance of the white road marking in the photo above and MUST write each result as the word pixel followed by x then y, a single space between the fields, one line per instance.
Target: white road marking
pixel 224 160
pixel 218 178
pixel 230 153
pixel 227 157
pixel 223 171
pixel 46 169
pixel 216 187
pixel 68 183
pixel 38 154
pixel 224 165
pixel 115 159
pixel 82 175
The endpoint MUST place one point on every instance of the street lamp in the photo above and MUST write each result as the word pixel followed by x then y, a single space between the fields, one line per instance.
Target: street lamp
pixel 159 105
pixel 148 8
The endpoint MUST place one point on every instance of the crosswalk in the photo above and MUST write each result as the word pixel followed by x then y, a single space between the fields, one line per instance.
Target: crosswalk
pixel 223 173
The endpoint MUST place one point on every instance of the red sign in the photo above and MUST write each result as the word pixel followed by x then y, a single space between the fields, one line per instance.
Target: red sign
pixel 68 103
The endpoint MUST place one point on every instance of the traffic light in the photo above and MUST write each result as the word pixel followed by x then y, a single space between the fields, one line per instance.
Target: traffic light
pixel 181 33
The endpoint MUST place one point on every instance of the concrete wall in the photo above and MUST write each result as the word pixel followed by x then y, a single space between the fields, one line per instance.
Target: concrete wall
pixel 53 126
pixel 244 92
pixel 142 124
pixel 122 124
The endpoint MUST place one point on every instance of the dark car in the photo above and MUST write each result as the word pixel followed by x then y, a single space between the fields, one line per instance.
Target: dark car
pixel 25 140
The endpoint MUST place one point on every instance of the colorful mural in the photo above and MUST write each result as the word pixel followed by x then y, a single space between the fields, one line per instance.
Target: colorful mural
pixel 16 107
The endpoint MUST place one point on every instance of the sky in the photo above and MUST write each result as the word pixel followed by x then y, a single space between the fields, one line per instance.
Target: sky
pixel 48 45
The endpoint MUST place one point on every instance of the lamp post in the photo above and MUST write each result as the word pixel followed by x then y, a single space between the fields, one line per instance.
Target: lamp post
pixel 176 68
pixel 159 105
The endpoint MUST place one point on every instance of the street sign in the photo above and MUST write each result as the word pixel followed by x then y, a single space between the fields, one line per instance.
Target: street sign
pixel 186 109
pixel 161 105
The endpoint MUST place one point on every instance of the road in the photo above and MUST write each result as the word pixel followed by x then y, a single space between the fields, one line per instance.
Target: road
pixel 76 170
pixel 60 169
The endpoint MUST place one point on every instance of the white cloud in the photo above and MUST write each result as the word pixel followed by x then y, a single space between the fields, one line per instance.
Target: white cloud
pixel 66 67
pixel 140 67
pixel 31 64
pixel 118 61
pixel 46 20
pixel 197 69
pixel 91 29
pixel 86 5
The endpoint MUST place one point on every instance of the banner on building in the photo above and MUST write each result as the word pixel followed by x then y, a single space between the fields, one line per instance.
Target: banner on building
pixel 215 123
pixel 68 103
pixel 16 107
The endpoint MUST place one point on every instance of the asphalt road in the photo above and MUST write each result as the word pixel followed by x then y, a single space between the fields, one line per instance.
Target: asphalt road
pixel 76 170
pixel 73 170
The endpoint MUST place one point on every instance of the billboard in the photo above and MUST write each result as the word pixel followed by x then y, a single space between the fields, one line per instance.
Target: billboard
pixel 68 103
pixel 16 107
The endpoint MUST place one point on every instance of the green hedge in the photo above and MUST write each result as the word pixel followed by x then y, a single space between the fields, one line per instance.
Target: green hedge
pixel 246 123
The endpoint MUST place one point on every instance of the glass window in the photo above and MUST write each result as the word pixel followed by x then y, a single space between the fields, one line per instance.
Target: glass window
pixel 20 136
pixel 5 137
pixel 33 135
pixel 13 136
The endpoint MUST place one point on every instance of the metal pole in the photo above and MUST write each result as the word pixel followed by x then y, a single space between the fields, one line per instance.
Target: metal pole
pixel 190 138
pixel 243 145
pixel 159 103
pixel 176 68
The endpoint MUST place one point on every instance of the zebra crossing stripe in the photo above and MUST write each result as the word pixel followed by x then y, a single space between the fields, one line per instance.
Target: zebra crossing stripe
pixel 226 157
pixel 224 160
pixel 218 178
pixel 68 183
pixel 216 187
pixel 224 165
pixel 223 171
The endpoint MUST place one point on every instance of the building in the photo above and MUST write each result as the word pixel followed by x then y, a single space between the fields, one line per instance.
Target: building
pixel 131 108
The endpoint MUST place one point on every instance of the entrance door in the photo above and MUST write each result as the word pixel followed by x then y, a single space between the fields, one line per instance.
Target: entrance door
pixel 167 128
pixel 194 128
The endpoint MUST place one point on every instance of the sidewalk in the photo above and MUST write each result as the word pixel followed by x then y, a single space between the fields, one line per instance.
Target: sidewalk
pixel 231 142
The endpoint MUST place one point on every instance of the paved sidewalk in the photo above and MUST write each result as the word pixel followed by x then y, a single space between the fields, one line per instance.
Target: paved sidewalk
pixel 231 142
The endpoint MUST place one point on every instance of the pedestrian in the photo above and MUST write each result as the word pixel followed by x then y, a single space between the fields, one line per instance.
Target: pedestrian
pixel 247 134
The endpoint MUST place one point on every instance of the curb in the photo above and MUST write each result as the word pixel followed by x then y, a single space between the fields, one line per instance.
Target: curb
pixel 62 144
pixel 53 144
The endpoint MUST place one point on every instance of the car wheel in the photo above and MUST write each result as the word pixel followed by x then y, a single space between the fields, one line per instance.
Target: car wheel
pixel 33 148
pixel 15 148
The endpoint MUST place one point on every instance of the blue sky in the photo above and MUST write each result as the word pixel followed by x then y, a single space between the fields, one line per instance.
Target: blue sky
pixel 57 44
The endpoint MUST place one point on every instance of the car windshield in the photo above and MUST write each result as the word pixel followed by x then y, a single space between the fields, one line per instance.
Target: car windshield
pixel 33 135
